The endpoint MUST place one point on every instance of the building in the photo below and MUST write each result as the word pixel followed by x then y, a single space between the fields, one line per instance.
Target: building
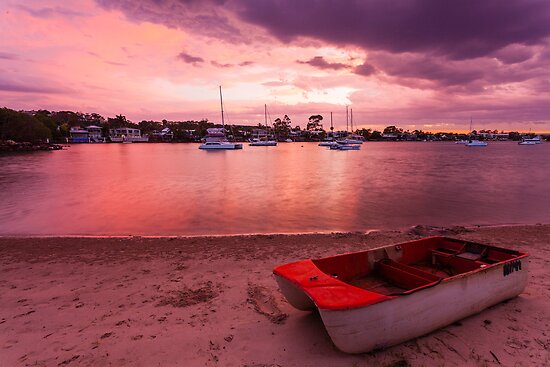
pixel 127 134
pixel 79 135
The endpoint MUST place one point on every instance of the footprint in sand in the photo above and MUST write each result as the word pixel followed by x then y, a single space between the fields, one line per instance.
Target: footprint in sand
pixel 265 304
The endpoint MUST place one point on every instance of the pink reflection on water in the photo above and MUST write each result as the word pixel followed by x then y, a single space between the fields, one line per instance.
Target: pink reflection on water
pixel 176 189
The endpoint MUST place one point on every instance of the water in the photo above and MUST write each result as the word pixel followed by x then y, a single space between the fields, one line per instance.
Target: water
pixel 177 189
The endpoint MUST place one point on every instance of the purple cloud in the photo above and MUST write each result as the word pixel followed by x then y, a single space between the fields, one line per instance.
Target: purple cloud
pixel 321 63
pixel 50 12
pixel 8 86
pixel 190 59
pixel 365 69
pixel 206 17
pixel 458 29
pixel 8 56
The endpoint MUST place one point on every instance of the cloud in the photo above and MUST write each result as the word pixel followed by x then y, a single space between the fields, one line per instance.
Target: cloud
pixel 190 59
pixel 8 86
pixel 50 12
pixel 229 65
pixel 365 69
pixel 207 17
pixel 458 29
pixel 321 63
pixel 8 56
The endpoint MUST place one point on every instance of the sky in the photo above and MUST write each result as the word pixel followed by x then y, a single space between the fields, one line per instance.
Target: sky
pixel 432 65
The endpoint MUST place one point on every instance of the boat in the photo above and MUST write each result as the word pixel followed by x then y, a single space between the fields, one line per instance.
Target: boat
pixel 527 142
pixel 258 142
pixel 476 143
pixel 535 140
pixel 343 146
pixel 351 138
pixel 216 138
pixel 329 141
pixel 461 142
pixel 381 297
pixel 289 141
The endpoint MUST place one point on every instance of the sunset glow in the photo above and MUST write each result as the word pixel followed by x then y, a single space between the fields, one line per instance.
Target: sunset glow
pixel 419 65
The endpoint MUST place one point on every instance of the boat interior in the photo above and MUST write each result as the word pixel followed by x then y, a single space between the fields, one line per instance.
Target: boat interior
pixel 407 267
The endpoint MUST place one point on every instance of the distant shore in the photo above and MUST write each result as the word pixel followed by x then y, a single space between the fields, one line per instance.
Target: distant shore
pixel 212 301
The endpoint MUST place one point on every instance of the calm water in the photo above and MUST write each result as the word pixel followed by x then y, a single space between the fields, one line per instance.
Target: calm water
pixel 176 189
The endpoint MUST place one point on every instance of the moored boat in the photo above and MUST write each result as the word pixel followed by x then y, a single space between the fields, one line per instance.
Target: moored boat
pixel 343 146
pixel 476 143
pixel 381 297
pixel 215 137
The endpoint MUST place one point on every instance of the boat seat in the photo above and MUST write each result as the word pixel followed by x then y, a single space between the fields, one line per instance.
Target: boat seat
pixel 404 276
pixel 459 263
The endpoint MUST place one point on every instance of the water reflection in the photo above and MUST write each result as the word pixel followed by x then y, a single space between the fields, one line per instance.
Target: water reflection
pixel 162 189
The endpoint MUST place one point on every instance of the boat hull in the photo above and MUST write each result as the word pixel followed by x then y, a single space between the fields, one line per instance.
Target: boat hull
pixel 389 323
pixel 226 146
pixel 263 144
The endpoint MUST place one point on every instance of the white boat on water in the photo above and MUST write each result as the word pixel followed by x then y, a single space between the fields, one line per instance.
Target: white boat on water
pixel 259 142
pixel 327 143
pixel 527 142
pixel 381 297
pixel 341 146
pixel 263 143
pixel 216 138
pixel 351 138
pixel 476 143
pixel 535 140
pixel 461 142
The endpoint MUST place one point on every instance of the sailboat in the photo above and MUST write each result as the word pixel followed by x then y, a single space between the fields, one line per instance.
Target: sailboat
pixel 329 141
pixel 257 142
pixel 475 142
pixel 351 138
pixel 215 137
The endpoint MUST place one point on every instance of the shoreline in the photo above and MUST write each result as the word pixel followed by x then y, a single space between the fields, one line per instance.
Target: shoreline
pixel 212 301
pixel 252 234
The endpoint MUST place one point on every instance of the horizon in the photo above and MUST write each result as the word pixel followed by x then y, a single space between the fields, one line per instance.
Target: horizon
pixel 415 66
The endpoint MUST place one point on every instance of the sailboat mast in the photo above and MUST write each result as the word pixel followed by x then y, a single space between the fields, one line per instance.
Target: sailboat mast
pixel 265 115
pixel 221 105
pixel 470 124
pixel 351 119
pixel 347 119
pixel 331 126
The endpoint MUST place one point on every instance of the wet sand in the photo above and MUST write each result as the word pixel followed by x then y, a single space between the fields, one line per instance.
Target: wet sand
pixel 212 301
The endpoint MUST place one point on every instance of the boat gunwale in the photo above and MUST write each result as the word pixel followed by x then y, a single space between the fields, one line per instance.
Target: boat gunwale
pixel 382 298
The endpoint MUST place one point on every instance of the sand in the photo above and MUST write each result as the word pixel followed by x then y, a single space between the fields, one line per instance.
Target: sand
pixel 212 301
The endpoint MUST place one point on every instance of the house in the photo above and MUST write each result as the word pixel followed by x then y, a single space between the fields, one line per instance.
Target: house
pixel 164 135
pixel 127 134
pixel 79 135
pixel 94 133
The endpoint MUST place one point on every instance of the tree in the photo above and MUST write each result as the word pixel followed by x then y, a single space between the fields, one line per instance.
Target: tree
pixel 282 127
pixel 22 127
pixel 392 130
pixel 314 123
pixel 376 135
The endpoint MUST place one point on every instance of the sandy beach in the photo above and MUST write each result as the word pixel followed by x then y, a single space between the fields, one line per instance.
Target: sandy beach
pixel 212 301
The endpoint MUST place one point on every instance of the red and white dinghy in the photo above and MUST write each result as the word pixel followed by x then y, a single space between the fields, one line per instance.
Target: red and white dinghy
pixel 377 298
